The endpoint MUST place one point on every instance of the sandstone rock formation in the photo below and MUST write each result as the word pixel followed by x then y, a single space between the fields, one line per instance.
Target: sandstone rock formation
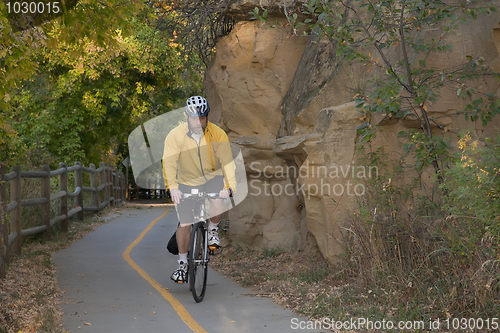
pixel 285 101
pixel 246 84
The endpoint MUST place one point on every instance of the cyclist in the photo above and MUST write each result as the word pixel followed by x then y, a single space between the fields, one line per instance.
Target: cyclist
pixel 197 155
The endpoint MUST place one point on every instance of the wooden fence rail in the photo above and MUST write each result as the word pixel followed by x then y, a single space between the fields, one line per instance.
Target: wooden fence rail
pixel 112 185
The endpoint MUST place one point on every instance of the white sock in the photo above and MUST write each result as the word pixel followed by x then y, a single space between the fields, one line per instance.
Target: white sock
pixel 212 226
pixel 183 257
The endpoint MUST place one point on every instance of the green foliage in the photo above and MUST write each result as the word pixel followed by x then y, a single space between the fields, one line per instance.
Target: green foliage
pixel 292 25
pixel 387 38
pixel 313 276
pixel 255 12
pixel 270 252
pixel 82 105
pixel 473 187
pixel 427 149
pixel 405 87
pixel 8 140
pixel 415 259
pixel 98 21
pixel 40 70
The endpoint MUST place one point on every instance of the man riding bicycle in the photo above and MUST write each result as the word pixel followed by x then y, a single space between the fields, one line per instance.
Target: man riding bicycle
pixel 197 155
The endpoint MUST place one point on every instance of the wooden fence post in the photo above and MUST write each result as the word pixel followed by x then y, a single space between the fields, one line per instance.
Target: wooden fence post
pixel 104 180
pixel 93 184
pixel 115 192
pixel 127 193
pixel 63 201
pixel 16 213
pixel 124 188
pixel 119 184
pixel 113 183
pixel 122 185
pixel 79 183
pixel 4 230
pixel 45 184
pixel 110 187
pixel 108 179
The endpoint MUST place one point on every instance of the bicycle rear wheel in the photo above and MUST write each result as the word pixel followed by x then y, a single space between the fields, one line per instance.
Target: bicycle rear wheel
pixel 198 258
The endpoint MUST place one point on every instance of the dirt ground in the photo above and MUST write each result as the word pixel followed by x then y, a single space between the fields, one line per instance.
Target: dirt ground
pixel 292 280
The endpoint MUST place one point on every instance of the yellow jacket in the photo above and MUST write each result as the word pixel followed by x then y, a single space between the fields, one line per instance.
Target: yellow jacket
pixel 189 163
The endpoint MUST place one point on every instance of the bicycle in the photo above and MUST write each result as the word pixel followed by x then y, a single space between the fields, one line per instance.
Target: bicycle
pixel 199 250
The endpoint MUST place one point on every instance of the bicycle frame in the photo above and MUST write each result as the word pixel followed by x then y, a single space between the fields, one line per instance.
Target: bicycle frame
pixel 196 264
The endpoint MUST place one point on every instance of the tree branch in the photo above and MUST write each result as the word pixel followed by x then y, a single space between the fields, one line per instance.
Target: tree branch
pixel 391 69
pixel 403 46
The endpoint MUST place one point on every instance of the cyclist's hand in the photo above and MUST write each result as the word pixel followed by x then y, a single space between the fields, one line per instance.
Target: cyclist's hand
pixel 224 193
pixel 176 195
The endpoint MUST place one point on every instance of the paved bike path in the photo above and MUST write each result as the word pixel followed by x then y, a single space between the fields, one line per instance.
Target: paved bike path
pixel 104 293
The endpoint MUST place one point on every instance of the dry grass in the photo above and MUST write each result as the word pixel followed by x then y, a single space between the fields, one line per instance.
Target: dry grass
pixel 309 287
pixel 294 281
pixel 29 293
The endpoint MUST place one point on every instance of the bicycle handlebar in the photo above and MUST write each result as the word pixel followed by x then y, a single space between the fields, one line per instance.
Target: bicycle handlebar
pixel 202 195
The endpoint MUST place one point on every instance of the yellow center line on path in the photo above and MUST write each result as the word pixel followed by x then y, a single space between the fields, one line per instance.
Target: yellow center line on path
pixel 181 311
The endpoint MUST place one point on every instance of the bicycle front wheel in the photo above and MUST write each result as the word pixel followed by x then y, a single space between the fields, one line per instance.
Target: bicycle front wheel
pixel 198 258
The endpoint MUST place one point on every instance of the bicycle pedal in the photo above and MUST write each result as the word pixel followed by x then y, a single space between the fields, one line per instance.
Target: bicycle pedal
pixel 214 250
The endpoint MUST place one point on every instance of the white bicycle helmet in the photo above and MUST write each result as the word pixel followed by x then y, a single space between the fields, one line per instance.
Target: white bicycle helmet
pixel 197 106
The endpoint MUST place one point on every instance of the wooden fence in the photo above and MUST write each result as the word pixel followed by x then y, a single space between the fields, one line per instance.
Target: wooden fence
pixel 112 186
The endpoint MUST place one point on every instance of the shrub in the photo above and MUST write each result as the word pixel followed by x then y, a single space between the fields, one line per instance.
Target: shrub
pixel 473 188
pixel 428 252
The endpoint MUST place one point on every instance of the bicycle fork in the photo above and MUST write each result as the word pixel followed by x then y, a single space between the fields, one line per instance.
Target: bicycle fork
pixel 205 245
